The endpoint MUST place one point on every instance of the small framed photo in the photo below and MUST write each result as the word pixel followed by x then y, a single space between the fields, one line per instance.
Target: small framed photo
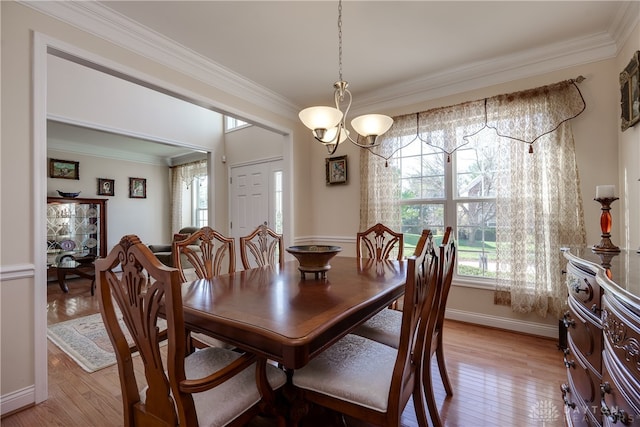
pixel 65 169
pixel 137 188
pixel 105 187
pixel 336 170
pixel 630 93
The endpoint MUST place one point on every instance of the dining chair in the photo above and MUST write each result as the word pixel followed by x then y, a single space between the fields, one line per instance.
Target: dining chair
pixel 434 329
pixel 379 242
pixel 368 380
pixel 386 329
pixel 209 253
pixel 262 247
pixel 212 387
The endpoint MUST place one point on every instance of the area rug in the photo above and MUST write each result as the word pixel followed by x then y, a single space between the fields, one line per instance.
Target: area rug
pixel 85 340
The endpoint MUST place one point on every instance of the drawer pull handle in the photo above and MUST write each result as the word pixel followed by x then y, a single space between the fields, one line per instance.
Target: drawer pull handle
pixel 595 309
pixel 569 364
pixel 616 414
pixel 567 321
pixel 577 289
pixel 565 389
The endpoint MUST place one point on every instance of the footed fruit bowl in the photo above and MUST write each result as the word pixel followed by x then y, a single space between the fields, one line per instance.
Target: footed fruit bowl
pixel 314 258
pixel 63 194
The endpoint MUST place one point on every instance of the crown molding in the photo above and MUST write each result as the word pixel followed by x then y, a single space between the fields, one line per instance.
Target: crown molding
pixel 104 153
pixel 626 19
pixel 102 22
pixel 490 72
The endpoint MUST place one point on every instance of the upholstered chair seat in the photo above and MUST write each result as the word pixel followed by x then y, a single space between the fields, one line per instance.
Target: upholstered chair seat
pixel 369 380
pixel 367 366
pixel 213 407
pixel 384 327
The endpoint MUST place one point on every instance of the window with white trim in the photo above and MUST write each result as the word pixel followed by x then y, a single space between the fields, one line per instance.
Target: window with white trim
pixel 459 192
pixel 231 124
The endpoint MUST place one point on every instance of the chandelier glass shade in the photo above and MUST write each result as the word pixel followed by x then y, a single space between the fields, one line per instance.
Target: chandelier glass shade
pixel 328 124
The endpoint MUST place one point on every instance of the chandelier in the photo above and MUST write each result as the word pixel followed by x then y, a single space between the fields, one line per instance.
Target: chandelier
pixel 329 124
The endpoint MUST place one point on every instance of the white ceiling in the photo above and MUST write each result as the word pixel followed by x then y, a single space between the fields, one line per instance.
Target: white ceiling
pixel 82 140
pixel 291 47
pixel 390 48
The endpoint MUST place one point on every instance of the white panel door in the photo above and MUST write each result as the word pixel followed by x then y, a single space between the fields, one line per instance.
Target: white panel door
pixel 252 199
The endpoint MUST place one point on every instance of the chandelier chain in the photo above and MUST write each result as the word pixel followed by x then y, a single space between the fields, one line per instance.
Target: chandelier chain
pixel 340 40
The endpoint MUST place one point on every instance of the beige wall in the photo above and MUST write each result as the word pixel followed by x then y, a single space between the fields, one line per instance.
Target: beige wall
pixel 629 163
pixel 595 133
pixel 320 212
pixel 18 262
pixel 148 218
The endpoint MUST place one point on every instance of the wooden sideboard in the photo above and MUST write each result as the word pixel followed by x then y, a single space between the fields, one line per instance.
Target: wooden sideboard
pixel 602 356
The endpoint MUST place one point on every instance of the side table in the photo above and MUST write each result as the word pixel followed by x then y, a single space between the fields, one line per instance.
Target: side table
pixel 86 270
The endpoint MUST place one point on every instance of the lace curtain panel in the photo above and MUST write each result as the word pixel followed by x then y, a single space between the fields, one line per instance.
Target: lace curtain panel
pixel 181 178
pixel 538 200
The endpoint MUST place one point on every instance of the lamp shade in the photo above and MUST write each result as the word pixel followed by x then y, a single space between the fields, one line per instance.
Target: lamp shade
pixel 320 117
pixel 330 135
pixel 371 124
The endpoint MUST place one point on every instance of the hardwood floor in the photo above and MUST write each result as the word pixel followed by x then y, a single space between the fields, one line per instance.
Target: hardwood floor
pixel 499 378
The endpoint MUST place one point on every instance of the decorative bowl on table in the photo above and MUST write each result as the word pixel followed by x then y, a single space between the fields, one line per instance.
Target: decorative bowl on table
pixel 63 194
pixel 314 258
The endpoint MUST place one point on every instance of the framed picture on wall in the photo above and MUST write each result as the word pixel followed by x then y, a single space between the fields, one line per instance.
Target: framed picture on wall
pixel 137 188
pixel 336 170
pixel 105 187
pixel 66 169
pixel 630 93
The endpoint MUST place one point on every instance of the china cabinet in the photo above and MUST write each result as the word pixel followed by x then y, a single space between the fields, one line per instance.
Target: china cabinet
pixel 602 355
pixel 76 229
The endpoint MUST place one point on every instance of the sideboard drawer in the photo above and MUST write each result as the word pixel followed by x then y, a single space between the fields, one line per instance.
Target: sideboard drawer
pixel 582 286
pixel 585 381
pixel 622 339
pixel 576 413
pixel 620 399
pixel 586 334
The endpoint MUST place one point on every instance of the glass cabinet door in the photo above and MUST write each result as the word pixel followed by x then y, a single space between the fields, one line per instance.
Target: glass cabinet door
pixel 75 228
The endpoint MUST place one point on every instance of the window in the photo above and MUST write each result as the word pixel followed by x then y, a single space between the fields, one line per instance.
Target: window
pixel 278 193
pixel 512 207
pixel 461 192
pixel 231 124
pixel 200 192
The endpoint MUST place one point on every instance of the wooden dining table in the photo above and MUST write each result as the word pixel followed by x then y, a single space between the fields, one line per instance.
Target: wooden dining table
pixel 275 312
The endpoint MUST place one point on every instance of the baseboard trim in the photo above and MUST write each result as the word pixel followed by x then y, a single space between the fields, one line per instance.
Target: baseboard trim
pixel 532 328
pixel 17 400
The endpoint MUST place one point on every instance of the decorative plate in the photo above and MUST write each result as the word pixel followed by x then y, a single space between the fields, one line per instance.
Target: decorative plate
pixel 92 228
pixel 92 212
pixel 67 245
pixel 91 242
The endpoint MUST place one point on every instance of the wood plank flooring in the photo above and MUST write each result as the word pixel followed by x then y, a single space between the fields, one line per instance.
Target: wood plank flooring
pixel 499 379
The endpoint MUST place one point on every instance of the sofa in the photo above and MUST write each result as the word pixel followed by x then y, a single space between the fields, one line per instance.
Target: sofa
pixel 164 251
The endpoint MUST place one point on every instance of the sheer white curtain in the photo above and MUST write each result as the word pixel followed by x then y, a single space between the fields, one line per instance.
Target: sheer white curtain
pixel 380 189
pixel 539 205
pixel 538 200
pixel 181 178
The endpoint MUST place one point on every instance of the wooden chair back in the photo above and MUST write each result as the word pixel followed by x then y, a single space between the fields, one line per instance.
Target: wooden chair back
pixel 420 292
pixel 207 251
pixel 447 256
pixel 262 247
pixel 430 330
pixel 139 300
pixel 132 281
pixel 379 242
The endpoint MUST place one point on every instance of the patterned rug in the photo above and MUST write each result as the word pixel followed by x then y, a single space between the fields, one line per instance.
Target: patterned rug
pixel 85 340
